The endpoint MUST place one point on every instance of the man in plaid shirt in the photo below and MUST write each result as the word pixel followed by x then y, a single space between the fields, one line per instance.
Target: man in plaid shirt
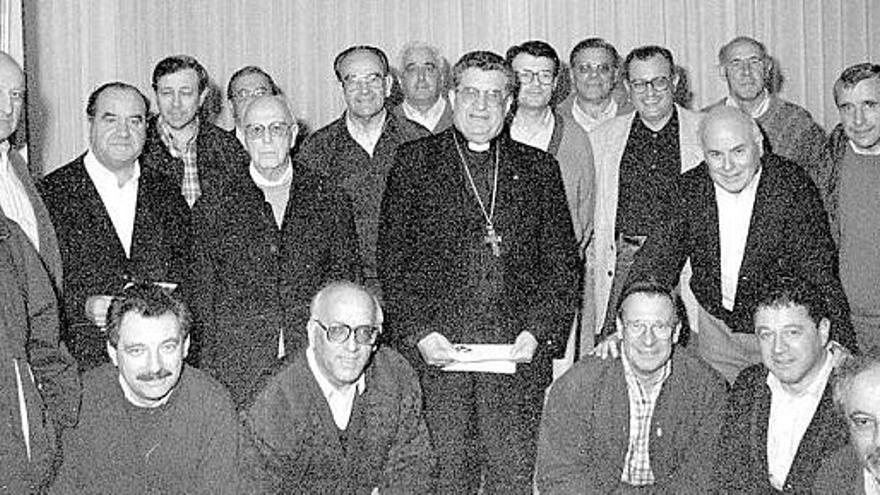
pixel 648 421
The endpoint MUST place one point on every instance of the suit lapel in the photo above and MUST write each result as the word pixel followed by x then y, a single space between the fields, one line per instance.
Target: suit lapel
pixel 99 224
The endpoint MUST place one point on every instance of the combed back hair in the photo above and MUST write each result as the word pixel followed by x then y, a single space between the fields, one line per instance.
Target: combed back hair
pixel 853 75
pixel 92 102
pixel 486 61
pixel 847 371
pixel 281 98
pixel 724 51
pixel 177 63
pixel 535 48
pixel 339 285
pixel 645 53
pixel 786 291
pixel 383 59
pixel 725 111
pixel 439 60
pixel 595 43
pixel 650 287
pixel 149 301
pixel 251 69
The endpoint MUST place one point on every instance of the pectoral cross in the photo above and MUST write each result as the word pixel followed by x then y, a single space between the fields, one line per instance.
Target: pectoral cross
pixel 493 239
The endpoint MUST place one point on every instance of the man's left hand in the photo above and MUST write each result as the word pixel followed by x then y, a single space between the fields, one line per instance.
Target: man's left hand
pixel 524 347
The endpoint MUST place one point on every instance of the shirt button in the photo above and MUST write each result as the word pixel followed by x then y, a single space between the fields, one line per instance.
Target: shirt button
pixel 610 273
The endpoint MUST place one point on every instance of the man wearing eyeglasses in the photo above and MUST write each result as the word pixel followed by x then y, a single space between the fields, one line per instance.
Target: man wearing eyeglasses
pixel 423 74
pixel 782 422
pixel 343 415
pixel 743 217
pixel 597 96
pixel 244 86
pixel 647 422
pixel 356 151
pixel 262 250
pixel 476 246
pixel 639 157
pixel 192 152
pixel 536 123
pixel 790 129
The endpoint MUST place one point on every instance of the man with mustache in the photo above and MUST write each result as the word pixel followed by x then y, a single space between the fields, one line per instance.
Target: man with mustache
pixel 197 156
pixel 150 423
pixel 116 221
pixel 855 469
pixel 790 129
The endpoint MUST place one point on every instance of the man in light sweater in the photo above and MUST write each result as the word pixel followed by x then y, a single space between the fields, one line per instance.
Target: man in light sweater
pixel 790 130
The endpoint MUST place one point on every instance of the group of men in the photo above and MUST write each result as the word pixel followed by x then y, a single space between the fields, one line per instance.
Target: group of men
pixel 187 274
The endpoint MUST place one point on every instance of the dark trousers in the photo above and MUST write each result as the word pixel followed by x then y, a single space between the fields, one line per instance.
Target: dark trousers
pixel 484 427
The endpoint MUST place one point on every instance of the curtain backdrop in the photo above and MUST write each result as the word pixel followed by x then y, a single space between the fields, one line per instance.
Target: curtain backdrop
pixel 71 47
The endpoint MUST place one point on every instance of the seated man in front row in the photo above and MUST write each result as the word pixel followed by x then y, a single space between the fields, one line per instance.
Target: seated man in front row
pixel 782 421
pixel 649 421
pixel 149 423
pixel 855 468
pixel 345 415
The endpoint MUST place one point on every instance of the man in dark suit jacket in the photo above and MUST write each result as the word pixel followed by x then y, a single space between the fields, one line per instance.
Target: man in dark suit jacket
pixel 116 221
pixel 262 250
pixel 197 156
pixel 19 199
pixel 476 246
pixel 744 218
pixel 782 422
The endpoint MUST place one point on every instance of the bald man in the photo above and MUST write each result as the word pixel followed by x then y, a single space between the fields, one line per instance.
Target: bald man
pixel 743 218
pixel 19 199
pixel 345 415
pixel 261 250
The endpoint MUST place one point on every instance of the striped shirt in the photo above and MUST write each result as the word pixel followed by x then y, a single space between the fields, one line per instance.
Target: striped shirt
pixel 637 463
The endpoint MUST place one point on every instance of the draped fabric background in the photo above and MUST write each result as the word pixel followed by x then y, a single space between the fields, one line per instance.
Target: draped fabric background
pixel 72 47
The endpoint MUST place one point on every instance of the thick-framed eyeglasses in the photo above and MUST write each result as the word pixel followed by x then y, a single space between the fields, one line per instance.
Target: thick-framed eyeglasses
pixel 244 93
pixel 275 129
pixel 493 97
pixel 353 82
pixel 526 76
pixel 590 68
pixel 338 333
pixel 661 83
pixel 637 328
pixel 428 68
pixel 739 64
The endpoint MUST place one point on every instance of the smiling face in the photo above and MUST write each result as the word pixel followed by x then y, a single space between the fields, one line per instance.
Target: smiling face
pixel 745 70
pixel 653 105
pixel 149 356
pixel 179 98
pixel 649 329
pixel 594 74
pixel 118 128
pixel 859 108
pixel 732 150
pixel 269 150
pixel 342 363
pixel 364 84
pixel 534 93
pixel 12 92
pixel 792 344
pixel 480 103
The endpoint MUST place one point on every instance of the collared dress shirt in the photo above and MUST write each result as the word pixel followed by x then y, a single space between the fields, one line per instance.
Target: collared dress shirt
pixel 187 153
pixel 759 111
pixel 14 200
pixel 637 463
pixel 339 400
pixel 790 416
pixel 428 119
pixel 587 121
pixel 120 201
pixel 536 137
pixel 734 217
pixel 367 139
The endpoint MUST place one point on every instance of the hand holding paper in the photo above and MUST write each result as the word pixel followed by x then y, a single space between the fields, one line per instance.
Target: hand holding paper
pixel 436 349
pixel 523 348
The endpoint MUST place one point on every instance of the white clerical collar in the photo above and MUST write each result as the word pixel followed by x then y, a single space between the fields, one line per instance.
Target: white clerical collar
pixel 136 401
pixel 759 110
pixel 327 388
pixel 587 121
pixel 429 118
pixel 263 182
pixel 864 152
pixel 103 177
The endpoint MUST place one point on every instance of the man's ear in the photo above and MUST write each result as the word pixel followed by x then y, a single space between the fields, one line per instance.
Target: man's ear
pixel 186 346
pixel 204 96
pixel 111 351
pixel 675 80
pixel 619 324
pixel 452 97
pixel 389 83
pixel 825 330
pixel 676 333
